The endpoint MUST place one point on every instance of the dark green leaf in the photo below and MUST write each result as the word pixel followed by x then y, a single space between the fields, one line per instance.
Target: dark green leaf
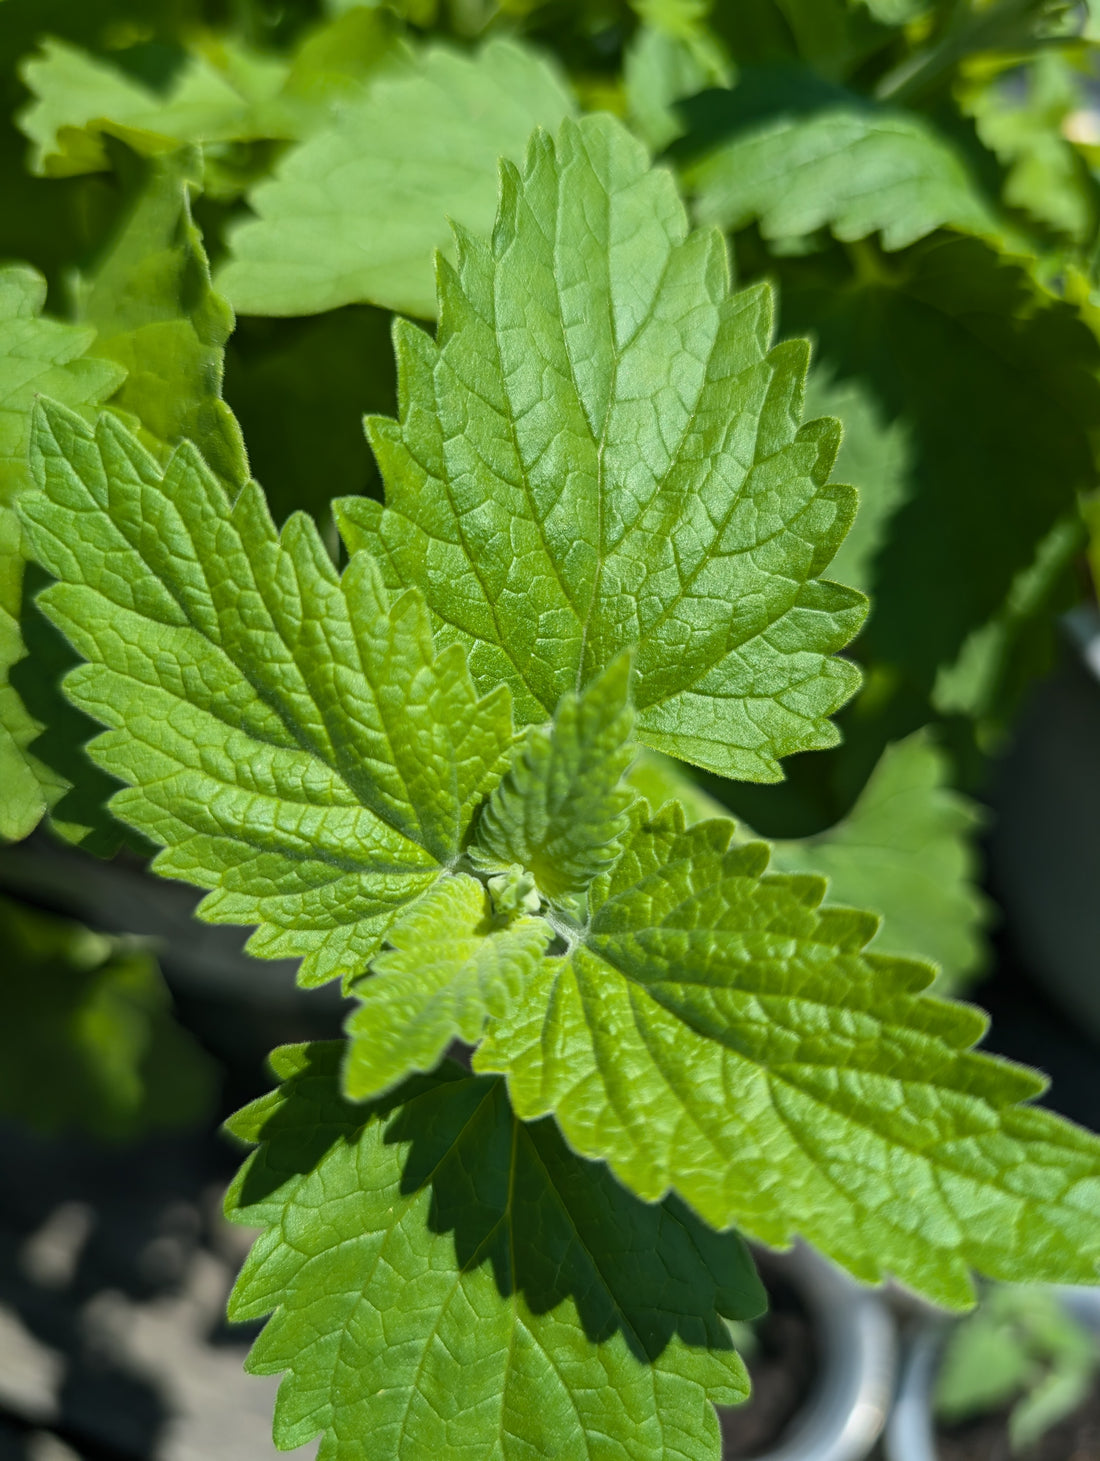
pixel 445 1278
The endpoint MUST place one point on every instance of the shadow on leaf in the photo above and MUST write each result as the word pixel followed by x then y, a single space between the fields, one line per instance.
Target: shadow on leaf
pixel 552 1225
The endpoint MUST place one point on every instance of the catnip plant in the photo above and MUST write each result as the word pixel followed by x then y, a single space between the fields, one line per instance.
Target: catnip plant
pixel 438 757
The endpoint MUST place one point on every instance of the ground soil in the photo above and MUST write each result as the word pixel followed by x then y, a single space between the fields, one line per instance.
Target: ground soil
pixel 782 1371
pixel 1077 1438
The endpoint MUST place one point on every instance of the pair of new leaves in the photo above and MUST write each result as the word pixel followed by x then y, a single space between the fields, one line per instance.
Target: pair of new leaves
pixel 598 453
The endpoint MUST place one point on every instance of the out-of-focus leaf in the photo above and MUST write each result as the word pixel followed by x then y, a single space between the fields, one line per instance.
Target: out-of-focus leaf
pixel 831 160
pixel 217 96
pixel 356 212
pixel 1019 116
pixel 335 61
pixel 831 36
pixel 226 96
pixel 674 54
pixel 994 384
pixel 875 458
pixel 905 851
pixel 37 354
pixel 896 12
pixel 1000 660
pixel 154 311
pixel 87 1038
pixel 152 317
pixel 1021 1348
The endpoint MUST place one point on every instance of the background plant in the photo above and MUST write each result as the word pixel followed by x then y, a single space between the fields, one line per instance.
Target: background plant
pixel 1021 1348
pixel 591 520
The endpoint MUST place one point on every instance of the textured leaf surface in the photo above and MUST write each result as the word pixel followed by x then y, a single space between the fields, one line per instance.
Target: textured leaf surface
pixel 356 212
pixel 717 1032
pixel 87 1039
pixel 447 1280
pixel 561 810
pixel 290 737
pixel 905 851
pixel 850 169
pixel 601 452
pixel 37 354
pixel 452 964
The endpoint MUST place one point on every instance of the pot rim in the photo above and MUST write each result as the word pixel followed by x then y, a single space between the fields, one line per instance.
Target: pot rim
pixel 910 1431
pixel 848 1405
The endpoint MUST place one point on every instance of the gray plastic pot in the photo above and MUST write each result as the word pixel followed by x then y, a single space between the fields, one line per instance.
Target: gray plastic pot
pixel 1044 849
pixel 911 1429
pixel 847 1408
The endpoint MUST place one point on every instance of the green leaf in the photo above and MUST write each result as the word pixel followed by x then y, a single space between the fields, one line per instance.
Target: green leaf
pixel 895 12
pixel 447 1278
pixel 40 356
pixel 37 355
pixel 418 149
pixel 225 96
pixel 848 167
pixel 660 779
pixel 290 738
pixel 1001 660
pixel 716 1032
pixel 1045 176
pixel 560 813
pixel 217 96
pixel 161 331
pixel 876 457
pixel 994 384
pixel 335 60
pixel 673 55
pixel 87 1039
pixel 452 964
pixel 156 314
pixel 600 452
pixel 24 782
pixel 906 852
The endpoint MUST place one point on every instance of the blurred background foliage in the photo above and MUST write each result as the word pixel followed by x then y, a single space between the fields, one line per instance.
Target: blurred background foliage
pixel 920 181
